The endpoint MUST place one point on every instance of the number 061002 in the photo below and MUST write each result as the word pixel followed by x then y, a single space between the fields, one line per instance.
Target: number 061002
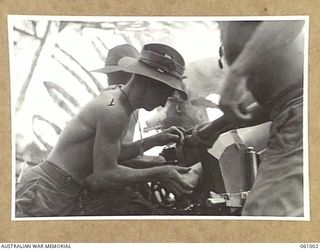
pixel 312 246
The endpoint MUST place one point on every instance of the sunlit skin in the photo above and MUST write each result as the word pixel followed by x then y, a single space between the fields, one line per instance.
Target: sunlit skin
pixel 90 147
pixel 271 62
pixel 162 92
pixel 268 58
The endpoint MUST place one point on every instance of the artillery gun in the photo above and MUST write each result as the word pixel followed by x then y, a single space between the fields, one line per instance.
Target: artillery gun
pixel 229 153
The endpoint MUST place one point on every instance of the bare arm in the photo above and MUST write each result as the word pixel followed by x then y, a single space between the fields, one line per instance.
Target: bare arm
pixel 269 38
pixel 145 161
pixel 107 173
pixel 170 135
pixel 268 41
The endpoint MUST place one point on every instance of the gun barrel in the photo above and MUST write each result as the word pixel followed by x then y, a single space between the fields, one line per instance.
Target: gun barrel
pixel 213 127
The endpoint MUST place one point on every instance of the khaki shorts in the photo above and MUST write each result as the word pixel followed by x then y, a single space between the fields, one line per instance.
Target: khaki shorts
pixel 278 189
pixel 46 190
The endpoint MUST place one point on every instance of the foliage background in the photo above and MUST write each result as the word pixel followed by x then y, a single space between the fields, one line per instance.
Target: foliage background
pixel 173 230
pixel 51 60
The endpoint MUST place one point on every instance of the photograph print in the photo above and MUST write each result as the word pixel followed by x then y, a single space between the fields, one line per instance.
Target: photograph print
pixel 159 117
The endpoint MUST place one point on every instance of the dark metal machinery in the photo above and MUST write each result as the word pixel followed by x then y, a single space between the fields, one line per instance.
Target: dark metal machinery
pixel 229 168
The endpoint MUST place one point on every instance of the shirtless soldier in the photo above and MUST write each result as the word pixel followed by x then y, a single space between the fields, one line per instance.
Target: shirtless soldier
pixel 116 76
pixel 267 58
pixel 82 174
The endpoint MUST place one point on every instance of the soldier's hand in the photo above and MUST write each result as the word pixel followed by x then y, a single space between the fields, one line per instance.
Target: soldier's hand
pixel 234 96
pixel 172 179
pixel 173 134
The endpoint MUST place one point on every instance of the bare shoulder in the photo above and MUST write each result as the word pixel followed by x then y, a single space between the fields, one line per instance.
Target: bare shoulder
pixel 107 111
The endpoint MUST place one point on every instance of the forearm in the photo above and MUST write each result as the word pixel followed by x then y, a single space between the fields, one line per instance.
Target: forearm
pixel 131 150
pixel 144 162
pixel 122 176
pixel 269 39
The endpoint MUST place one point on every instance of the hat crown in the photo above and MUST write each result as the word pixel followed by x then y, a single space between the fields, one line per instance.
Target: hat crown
pixel 159 62
pixel 118 52
pixel 163 58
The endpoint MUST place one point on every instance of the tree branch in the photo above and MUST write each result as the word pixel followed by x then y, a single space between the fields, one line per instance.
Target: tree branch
pixel 77 76
pixel 96 82
pixel 26 33
pixel 26 83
